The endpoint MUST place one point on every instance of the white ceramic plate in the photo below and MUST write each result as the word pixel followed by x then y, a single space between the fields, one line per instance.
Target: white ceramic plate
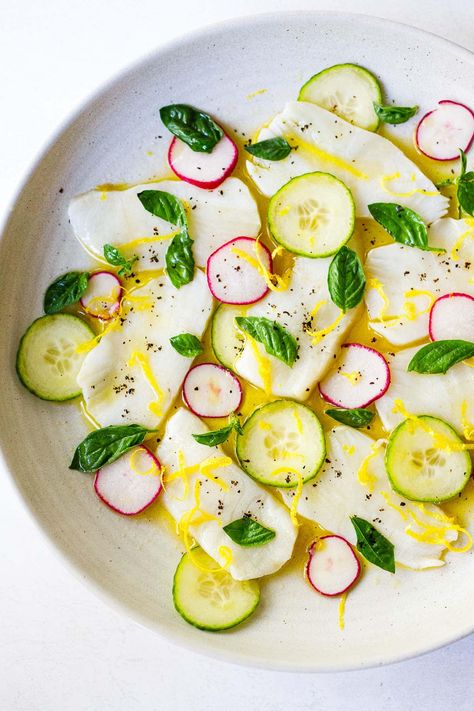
pixel 132 561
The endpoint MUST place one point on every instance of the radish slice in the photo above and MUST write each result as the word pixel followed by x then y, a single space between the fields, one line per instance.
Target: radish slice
pixel 442 132
pixel 210 390
pixel 206 170
pixel 102 297
pixel 452 316
pixel 361 376
pixel 131 483
pixel 332 566
pixel 234 273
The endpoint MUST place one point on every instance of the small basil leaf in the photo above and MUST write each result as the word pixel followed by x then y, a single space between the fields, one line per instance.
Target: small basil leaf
pixel 439 356
pixel 277 341
pixel 465 189
pixel 106 445
pixel 194 127
pixel 403 224
pixel 115 257
pixel 346 279
pixel 186 344
pixel 247 532
pixel 270 149
pixel 211 439
pixel 64 291
pixel 179 260
pixel 358 417
pixel 164 205
pixel 394 114
pixel 235 422
pixel 373 545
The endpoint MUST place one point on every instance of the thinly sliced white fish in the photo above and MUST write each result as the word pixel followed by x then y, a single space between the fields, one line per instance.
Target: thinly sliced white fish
pixel 370 165
pixel 115 375
pixel 411 279
pixel 337 494
pixel 117 217
pixel 241 497
pixel 449 396
pixel 292 310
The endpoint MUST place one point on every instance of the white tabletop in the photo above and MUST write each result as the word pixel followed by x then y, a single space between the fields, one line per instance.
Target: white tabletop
pixel 60 647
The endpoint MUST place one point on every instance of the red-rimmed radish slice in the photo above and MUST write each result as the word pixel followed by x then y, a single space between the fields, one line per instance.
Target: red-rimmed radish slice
pixel 210 390
pixel 442 132
pixel 102 297
pixel 131 483
pixel 332 566
pixel 452 316
pixel 206 170
pixel 360 376
pixel 234 271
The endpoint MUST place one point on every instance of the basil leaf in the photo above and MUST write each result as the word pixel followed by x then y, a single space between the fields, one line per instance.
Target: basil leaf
pixel 164 205
pixel 358 417
pixel 403 224
pixel 179 259
pixel 186 344
pixel 247 532
pixel 64 291
pixel 373 545
pixel 106 445
pixel 277 341
pixel 117 259
pixel 346 279
pixel 271 149
pixel 439 356
pixel 219 436
pixel 194 127
pixel 394 114
pixel 465 190
pixel 211 439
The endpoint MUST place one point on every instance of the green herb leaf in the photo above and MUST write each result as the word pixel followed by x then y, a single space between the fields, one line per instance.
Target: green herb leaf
pixel 465 191
pixel 164 205
pixel 403 224
pixel 179 259
pixel 346 279
pixel 106 445
pixel 271 149
pixel 247 532
pixel 194 127
pixel 211 439
pixel 439 356
pixel 277 341
pixel 373 545
pixel 444 183
pixel 64 291
pixel 186 344
pixel 358 417
pixel 117 259
pixel 394 114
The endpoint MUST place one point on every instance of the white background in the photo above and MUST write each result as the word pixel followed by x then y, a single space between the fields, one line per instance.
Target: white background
pixel 60 647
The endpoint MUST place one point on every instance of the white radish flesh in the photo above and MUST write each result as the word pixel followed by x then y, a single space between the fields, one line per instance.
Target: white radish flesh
pixel 442 132
pixel 234 271
pixel 131 483
pixel 452 317
pixel 332 567
pixel 210 390
pixel 206 170
pixel 102 297
pixel 360 377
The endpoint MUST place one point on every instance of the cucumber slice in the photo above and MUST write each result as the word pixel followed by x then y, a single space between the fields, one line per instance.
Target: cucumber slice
pixel 226 339
pixel 47 361
pixel 425 462
pixel 349 91
pixel 210 600
pixel 281 441
pixel 312 215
